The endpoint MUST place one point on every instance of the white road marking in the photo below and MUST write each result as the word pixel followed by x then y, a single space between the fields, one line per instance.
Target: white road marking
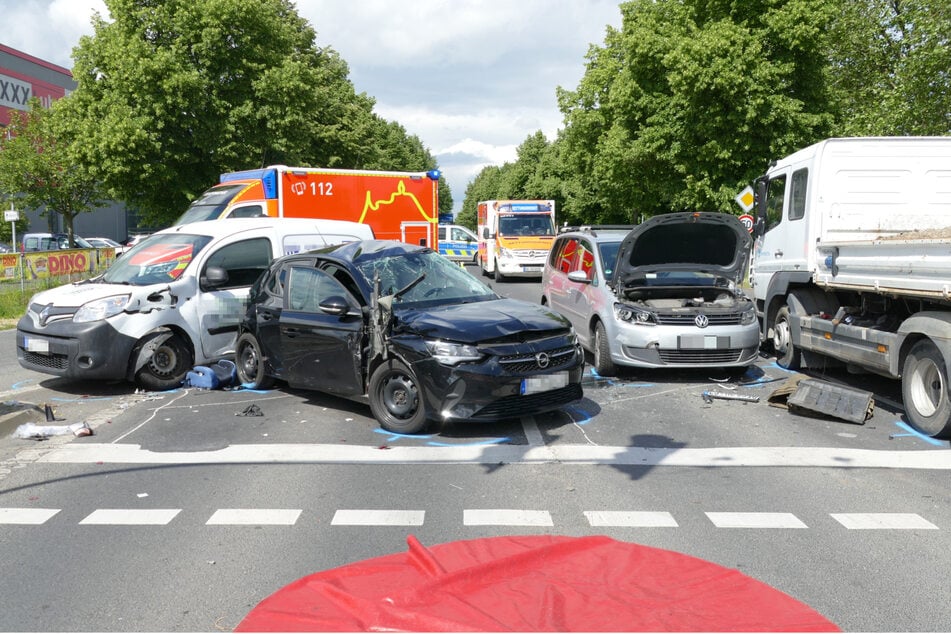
pixel 506 517
pixel 255 517
pixel 26 516
pixel 648 519
pixel 883 520
pixel 131 517
pixel 377 517
pixel 829 457
pixel 755 520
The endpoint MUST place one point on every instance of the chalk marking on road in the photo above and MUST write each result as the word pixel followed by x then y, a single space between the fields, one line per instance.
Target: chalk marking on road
pixel 506 517
pixel 254 517
pixel 147 420
pixel 631 519
pixel 755 520
pixel 730 457
pixel 131 517
pixel 866 521
pixel 377 517
pixel 26 515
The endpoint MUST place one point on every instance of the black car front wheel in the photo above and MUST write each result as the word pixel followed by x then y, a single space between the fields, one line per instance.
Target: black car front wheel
pixel 396 399
pixel 250 363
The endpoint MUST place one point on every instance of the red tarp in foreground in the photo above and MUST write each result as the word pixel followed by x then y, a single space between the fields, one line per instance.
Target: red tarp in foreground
pixel 532 583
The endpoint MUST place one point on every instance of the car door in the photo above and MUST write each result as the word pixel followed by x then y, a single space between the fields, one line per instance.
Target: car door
pixel 222 307
pixel 322 350
pixel 577 300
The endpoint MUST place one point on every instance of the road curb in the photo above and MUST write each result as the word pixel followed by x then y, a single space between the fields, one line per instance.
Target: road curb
pixel 16 413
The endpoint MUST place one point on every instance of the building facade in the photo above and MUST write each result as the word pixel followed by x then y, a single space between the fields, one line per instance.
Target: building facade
pixel 23 77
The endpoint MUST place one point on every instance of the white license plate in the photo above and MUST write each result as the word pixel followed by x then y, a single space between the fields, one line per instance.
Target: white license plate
pixel 32 344
pixel 544 383
pixel 531 269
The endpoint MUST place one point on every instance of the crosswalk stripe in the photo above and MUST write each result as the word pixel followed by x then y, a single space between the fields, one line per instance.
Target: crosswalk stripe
pixel 254 517
pixel 26 516
pixel 377 517
pixel 883 521
pixel 652 519
pixel 131 517
pixel 755 520
pixel 506 517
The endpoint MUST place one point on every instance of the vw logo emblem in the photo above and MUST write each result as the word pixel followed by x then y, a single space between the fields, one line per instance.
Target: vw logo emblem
pixel 702 321
pixel 45 314
pixel 542 359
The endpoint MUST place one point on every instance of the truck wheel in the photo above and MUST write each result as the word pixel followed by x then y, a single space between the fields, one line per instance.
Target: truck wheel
pixel 603 364
pixel 498 274
pixel 250 363
pixel 787 355
pixel 396 399
pixel 167 367
pixel 924 390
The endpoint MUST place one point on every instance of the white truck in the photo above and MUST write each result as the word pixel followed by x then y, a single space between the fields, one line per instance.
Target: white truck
pixel 852 264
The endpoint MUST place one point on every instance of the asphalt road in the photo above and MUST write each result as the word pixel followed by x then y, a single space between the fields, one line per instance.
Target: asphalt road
pixel 182 512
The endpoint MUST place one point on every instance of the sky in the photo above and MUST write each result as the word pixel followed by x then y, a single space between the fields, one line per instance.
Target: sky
pixel 471 78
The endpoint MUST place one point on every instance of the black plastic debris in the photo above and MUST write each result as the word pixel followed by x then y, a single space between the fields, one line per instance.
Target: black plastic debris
pixel 251 410
pixel 810 397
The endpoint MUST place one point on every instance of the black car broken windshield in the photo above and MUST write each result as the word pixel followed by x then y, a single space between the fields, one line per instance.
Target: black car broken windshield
pixel 444 281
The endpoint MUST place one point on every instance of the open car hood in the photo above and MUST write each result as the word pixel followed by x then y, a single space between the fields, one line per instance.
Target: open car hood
pixel 703 242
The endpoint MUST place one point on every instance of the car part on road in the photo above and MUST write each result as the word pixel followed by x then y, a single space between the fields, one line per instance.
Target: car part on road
pixel 726 396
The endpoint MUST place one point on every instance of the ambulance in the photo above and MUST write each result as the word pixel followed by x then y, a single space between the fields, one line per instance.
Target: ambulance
pixel 515 237
pixel 400 206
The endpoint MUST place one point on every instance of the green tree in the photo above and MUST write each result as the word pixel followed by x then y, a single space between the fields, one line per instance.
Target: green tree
pixel 680 106
pixel 38 166
pixel 890 67
pixel 173 93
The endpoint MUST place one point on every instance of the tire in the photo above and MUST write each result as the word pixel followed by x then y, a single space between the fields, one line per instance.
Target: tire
pixel 498 274
pixel 250 363
pixel 787 355
pixel 603 364
pixel 924 390
pixel 396 399
pixel 168 365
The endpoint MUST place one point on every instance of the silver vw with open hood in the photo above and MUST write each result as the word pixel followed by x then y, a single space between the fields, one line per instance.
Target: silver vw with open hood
pixel 671 296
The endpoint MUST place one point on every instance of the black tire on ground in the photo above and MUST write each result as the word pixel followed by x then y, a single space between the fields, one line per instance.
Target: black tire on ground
pixel 787 355
pixel 167 367
pixel 603 364
pixel 924 390
pixel 498 274
pixel 250 363
pixel 396 399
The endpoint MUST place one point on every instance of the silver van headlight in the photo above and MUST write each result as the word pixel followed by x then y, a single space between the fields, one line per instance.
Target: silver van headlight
pixel 101 308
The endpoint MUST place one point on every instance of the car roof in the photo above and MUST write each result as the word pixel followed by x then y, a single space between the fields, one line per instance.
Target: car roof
pixel 598 233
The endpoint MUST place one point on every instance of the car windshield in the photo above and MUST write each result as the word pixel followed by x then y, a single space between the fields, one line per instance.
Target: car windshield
pixel 209 205
pixel 444 282
pixel 158 259
pixel 609 257
pixel 526 225
pixel 677 278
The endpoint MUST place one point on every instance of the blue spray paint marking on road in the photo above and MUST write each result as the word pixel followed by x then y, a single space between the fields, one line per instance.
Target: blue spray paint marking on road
pixel 491 441
pixel 246 387
pixel 392 435
pixel 916 434
pixel 22 383
pixel 583 417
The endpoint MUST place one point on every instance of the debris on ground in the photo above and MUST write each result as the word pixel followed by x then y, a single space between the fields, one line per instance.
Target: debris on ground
pixel 32 431
pixel 708 397
pixel 251 410
pixel 807 396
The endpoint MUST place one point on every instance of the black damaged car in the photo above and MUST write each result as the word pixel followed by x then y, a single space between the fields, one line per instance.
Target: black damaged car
pixel 405 329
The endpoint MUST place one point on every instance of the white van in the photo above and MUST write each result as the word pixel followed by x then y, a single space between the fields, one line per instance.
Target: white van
pixel 171 302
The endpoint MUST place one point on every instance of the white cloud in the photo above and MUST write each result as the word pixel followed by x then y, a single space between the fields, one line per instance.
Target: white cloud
pixel 472 78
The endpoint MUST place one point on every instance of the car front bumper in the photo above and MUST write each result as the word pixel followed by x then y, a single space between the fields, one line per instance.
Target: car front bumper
pixel 680 347
pixel 93 350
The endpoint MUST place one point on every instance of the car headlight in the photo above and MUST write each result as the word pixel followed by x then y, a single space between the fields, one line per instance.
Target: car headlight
pixel 748 316
pixel 634 315
pixel 506 253
pixel 450 353
pixel 101 308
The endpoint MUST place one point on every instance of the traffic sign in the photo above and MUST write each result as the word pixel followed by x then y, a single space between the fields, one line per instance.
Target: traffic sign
pixel 746 198
pixel 747 221
pixel 11 215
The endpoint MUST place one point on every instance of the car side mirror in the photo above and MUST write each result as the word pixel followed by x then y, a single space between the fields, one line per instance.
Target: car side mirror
pixel 214 277
pixel 336 305
pixel 579 276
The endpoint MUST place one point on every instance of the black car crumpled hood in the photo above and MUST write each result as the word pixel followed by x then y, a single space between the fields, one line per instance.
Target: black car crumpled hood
pixel 478 321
